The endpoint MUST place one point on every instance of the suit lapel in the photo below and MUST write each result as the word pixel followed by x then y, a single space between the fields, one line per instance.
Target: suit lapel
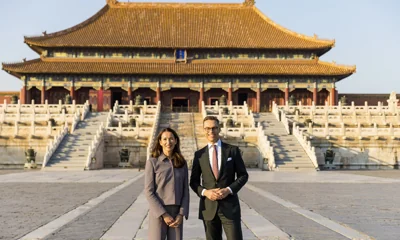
pixel 224 155
pixel 205 159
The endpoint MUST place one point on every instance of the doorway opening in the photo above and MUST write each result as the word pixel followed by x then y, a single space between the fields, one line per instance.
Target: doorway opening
pixel 116 96
pixel 242 97
pixel 213 101
pixel 180 105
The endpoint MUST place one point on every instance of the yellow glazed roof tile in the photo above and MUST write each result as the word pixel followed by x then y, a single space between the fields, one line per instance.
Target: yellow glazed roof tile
pixel 167 67
pixel 179 25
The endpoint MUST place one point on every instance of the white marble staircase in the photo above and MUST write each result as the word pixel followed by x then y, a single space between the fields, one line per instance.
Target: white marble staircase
pixel 182 123
pixel 289 154
pixel 72 152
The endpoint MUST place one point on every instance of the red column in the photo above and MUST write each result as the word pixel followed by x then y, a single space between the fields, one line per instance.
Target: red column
pixel 286 95
pixel 43 95
pixel 158 94
pixel 72 93
pixel 28 98
pixel 129 94
pixel 100 100
pixel 201 99
pixel 315 97
pixel 258 100
pixel 333 97
pixel 22 95
pixel 229 95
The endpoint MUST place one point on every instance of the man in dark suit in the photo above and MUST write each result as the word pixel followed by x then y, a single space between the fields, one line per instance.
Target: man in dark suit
pixel 216 165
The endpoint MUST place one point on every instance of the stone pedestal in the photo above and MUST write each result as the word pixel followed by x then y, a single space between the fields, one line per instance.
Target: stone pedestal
pixel 31 165
pixel 125 164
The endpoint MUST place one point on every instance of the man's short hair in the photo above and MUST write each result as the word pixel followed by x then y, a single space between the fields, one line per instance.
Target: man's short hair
pixel 212 118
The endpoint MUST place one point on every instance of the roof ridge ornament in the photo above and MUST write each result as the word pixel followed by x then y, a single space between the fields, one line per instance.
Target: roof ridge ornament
pixel 111 2
pixel 249 3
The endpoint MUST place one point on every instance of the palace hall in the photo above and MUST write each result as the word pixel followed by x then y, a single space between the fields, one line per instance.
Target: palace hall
pixel 180 54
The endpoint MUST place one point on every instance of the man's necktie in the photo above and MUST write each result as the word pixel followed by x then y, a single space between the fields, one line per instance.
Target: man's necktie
pixel 215 162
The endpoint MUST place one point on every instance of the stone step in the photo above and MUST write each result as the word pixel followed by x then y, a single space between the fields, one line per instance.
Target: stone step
pixel 64 168
pixel 67 165
pixel 69 156
pixel 67 162
pixel 292 160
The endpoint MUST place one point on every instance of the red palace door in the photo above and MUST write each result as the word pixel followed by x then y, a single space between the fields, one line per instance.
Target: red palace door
pixel 93 99
pixel 106 100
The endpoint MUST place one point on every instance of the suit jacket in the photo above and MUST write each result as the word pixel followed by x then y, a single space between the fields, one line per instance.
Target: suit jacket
pixel 201 169
pixel 166 185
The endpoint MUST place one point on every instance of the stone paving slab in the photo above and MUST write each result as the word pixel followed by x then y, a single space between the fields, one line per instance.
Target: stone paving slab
pixel 9 171
pixel 82 210
pixel 129 222
pixel 93 224
pixel 313 177
pixel 101 176
pixel 369 208
pixel 27 206
pixel 254 226
pixel 295 225
pixel 364 202
pixel 395 174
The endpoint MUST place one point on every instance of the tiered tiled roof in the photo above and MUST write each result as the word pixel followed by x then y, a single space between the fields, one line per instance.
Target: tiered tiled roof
pixel 167 67
pixel 180 25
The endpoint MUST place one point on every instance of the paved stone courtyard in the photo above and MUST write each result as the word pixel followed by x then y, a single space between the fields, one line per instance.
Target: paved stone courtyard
pixel 110 204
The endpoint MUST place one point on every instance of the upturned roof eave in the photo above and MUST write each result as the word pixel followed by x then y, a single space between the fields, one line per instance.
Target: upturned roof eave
pixel 40 41
pixel 15 69
pixel 39 47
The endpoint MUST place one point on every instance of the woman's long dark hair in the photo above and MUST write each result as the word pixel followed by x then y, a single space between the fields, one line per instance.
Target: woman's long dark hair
pixel 177 159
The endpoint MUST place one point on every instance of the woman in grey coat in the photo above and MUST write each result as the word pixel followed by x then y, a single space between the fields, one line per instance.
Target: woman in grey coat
pixel 166 188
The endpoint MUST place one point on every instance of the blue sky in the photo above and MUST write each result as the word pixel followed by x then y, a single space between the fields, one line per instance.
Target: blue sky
pixel 367 33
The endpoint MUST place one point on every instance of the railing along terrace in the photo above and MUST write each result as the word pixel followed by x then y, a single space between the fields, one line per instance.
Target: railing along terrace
pixel 246 119
pixel 239 114
pixel 33 130
pixel 53 145
pixel 216 109
pixel 40 108
pixel 153 134
pixel 239 132
pixel 136 131
pixel 359 132
pixel 131 108
pixel 267 151
pixel 97 139
pixel 306 144
pixel 285 122
pixel 203 110
pixel 109 118
pixel 350 119
pixel 125 118
pixel 340 109
pixel 18 117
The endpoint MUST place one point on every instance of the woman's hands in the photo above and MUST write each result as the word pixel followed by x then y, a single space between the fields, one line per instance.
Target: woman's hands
pixel 168 219
pixel 171 222
pixel 178 221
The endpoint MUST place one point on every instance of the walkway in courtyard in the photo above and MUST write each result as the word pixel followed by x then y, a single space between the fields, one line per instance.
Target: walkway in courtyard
pixel 110 204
